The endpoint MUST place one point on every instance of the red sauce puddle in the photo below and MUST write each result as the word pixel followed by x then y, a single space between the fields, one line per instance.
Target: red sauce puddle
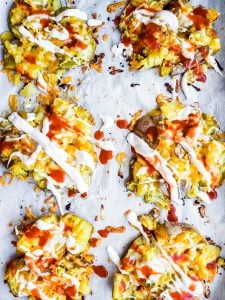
pixel 122 124
pixel 34 233
pixel 94 242
pixel 172 217
pixel 71 193
pixel 100 271
pixel 105 156
pixel 147 271
pixel 58 175
pixel 199 17
pixel 182 296
pixel 103 233
pixel 212 195
pixel 99 135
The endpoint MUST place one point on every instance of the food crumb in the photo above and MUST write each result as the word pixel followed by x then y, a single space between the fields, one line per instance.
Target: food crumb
pixel 115 6
pixel 105 37
pixel 95 242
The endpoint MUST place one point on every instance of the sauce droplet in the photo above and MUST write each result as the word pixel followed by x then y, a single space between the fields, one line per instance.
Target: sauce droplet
pixel 71 291
pixel 103 233
pixel 100 271
pixel 147 271
pixel 212 195
pixel 95 242
pixel 200 17
pixel 211 266
pixel 172 217
pixel 122 124
pixel 71 193
pixel 105 156
pixel 182 296
pixel 99 135
pixel 57 174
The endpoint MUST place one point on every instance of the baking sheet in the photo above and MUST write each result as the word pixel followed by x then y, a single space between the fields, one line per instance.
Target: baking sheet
pixel 104 94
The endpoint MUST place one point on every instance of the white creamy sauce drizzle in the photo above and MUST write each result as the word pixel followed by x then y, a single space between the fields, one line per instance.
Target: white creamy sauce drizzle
pixel 42 84
pixel 187 50
pixel 94 23
pixel 184 113
pixel 165 17
pixel 107 122
pixel 161 18
pixel 212 62
pixel 26 159
pixel 13 139
pixel 142 171
pixel 185 282
pixel 61 35
pixel 37 17
pixel 143 15
pixel 160 264
pixel 30 117
pixel 44 225
pixel 73 280
pixel 143 149
pixel 55 153
pixel 113 256
pixel 199 165
pixel 184 86
pixel 74 12
pixel 122 50
pixel 204 197
pixel 133 220
pixel 57 239
pixel 46 44
pixel 157 264
pixel 185 22
pixel 31 159
pixel 71 245
pixel 106 145
pixel 86 159
pixel 165 296
pixel 38 252
pixel 38 2
pixel 30 286
pixel 51 187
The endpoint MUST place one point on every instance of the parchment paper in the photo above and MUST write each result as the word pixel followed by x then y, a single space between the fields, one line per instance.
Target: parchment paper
pixel 112 95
